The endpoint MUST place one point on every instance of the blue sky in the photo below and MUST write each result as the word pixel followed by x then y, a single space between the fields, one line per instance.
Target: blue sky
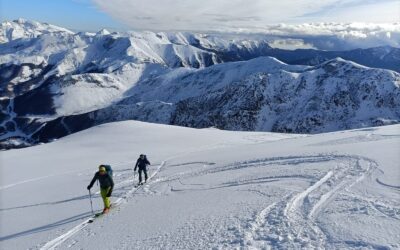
pixel 72 14
pixel 93 15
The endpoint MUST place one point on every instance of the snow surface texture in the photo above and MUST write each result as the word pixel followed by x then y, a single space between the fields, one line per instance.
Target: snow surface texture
pixel 210 189
pixel 55 82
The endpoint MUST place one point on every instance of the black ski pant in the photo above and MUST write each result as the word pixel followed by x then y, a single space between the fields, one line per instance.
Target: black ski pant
pixel 140 174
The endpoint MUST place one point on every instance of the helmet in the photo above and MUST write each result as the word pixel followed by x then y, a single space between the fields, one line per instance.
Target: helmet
pixel 102 168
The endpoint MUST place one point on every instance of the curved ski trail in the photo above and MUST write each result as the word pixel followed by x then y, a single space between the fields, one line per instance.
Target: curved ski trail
pixel 292 223
pixel 62 238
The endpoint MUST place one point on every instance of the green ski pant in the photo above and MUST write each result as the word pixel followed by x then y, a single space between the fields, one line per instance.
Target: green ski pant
pixel 106 200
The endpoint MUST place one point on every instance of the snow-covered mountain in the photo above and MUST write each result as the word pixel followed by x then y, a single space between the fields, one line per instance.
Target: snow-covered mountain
pixel 262 94
pixel 25 29
pixel 209 189
pixel 55 82
pixel 385 57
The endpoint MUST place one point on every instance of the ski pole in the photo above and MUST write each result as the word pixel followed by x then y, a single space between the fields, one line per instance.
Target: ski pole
pixel 91 203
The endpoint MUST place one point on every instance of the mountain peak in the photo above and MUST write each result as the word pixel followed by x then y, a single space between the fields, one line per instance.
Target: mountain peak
pixel 103 32
pixel 339 62
pixel 20 20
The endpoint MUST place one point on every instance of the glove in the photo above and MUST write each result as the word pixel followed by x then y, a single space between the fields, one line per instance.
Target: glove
pixel 134 170
pixel 89 187
pixel 109 193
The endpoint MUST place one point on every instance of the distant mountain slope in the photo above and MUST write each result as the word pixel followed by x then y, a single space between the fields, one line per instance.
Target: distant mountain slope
pixel 261 94
pixel 385 57
pixel 22 28
pixel 54 82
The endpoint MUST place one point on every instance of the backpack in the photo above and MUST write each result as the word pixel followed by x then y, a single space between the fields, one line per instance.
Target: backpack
pixel 109 170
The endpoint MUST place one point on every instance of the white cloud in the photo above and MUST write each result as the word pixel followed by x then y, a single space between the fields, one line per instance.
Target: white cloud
pixel 339 36
pixel 290 44
pixel 373 11
pixel 244 14
pixel 325 24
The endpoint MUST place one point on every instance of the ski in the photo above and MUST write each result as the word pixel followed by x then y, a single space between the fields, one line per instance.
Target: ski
pixel 91 220
pixel 100 214
pixel 94 217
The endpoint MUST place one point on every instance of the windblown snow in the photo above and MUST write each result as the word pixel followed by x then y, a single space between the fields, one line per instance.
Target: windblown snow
pixel 210 189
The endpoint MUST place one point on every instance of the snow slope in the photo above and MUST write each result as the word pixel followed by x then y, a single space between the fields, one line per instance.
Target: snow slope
pixel 210 189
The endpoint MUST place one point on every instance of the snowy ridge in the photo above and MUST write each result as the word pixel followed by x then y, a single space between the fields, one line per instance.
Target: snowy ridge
pixel 260 94
pixel 73 81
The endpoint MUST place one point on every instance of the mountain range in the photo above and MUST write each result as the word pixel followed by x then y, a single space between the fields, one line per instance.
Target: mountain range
pixel 55 82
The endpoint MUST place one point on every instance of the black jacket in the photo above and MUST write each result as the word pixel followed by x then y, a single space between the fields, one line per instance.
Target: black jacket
pixel 104 179
pixel 142 163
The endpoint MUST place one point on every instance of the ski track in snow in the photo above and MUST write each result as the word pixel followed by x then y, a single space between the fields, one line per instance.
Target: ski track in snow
pixel 289 223
pixel 41 178
pixel 53 244
pixel 292 223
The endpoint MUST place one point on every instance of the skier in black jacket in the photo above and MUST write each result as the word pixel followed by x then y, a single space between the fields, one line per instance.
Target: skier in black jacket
pixel 106 186
pixel 142 163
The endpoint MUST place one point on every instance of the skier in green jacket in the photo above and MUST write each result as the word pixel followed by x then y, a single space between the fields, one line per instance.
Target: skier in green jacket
pixel 106 186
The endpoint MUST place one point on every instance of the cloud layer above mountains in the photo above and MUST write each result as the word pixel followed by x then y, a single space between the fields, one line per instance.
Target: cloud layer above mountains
pixel 232 15
pixel 338 36
pixel 332 24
